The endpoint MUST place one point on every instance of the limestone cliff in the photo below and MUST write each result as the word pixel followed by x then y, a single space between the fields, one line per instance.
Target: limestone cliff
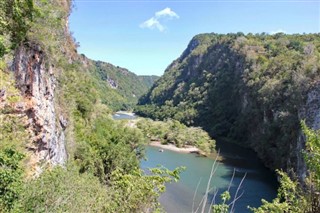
pixel 35 79
pixel 310 112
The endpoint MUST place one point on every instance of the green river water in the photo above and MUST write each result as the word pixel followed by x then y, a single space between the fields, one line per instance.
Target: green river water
pixel 259 182
pixel 178 198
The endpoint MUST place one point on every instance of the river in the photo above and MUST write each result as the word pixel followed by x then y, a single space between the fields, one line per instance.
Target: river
pixel 259 181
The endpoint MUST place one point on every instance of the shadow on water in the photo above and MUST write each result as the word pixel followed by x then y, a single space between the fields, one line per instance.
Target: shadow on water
pixel 245 160
pixel 259 182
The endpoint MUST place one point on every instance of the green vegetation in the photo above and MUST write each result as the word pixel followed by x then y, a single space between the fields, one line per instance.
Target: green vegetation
pixel 129 85
pixel 15 19
pixel 102 173
pixel 13 138
pixel 67 190
pixel 312 157
pixel 222 207
pixel 148 80
pixel 115 87
pixel 10 176
pixel 42 23
pixel 299 197
pixel 174 132
pixel 107 146
pixel 251 90
pixel 247 89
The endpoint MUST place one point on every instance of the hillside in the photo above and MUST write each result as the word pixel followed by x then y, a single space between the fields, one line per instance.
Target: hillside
pixel 128 84
pixel 55 111
pixel 148 80
pixel 248 89
pixel 119 88
pixel 61 151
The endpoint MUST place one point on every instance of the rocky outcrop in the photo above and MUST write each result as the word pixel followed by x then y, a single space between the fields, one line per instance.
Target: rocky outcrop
pixel 194 43
pixel 310 112
pixel 112 83
pixel 35 79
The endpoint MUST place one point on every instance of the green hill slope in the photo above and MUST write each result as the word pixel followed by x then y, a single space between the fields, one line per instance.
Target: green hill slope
pixel 148 80
pixel 119 88
pixel 249 89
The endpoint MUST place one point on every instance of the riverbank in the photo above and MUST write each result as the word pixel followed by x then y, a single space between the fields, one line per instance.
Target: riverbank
pixel 125 113
pixel 172 147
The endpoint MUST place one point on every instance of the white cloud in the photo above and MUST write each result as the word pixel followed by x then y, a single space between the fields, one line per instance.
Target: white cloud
pixel 167 12
pixel 277 31
pixel 154 22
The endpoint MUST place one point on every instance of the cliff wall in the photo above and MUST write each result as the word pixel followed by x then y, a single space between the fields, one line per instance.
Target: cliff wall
pixel 35 79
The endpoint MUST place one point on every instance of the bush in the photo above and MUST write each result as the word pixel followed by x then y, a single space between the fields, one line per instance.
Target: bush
pixel 10 176
pixel 174 132
pixel 63 190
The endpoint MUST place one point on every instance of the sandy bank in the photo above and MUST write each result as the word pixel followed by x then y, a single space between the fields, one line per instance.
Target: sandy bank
pixel 174 148
pixel 125 113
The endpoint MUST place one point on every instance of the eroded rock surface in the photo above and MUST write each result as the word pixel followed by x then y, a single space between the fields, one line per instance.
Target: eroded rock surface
pixel 35 79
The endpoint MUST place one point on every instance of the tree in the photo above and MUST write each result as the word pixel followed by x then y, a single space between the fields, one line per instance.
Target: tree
pixel 15 19
pixel 312 157
pixel 10 176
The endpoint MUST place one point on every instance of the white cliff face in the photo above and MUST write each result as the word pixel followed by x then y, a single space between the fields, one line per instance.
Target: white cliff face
pixel 310 112
pixel 312 108
pixel 34 77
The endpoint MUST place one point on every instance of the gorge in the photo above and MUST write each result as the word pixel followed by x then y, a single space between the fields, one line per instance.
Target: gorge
pixel 249 89
pixel 61 151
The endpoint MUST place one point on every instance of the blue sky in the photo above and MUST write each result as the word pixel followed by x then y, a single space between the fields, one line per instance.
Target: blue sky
pixel 145 36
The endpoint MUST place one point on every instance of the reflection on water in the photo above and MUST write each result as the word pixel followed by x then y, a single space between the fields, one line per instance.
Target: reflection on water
pixel 259 182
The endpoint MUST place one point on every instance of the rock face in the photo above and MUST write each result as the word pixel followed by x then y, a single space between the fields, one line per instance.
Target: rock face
pixel 112 83
pixel 36 81
pixel 310 112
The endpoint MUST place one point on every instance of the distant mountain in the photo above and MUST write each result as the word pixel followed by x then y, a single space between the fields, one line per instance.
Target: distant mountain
pixel 249 89
pixel 125 86
pixel 148 80
pixel 128 84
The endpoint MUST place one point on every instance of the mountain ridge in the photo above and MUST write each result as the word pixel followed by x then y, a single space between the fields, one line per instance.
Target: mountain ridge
pixel 129 85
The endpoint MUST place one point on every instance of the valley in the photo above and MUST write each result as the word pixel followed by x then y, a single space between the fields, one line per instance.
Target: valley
pixel 75 132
